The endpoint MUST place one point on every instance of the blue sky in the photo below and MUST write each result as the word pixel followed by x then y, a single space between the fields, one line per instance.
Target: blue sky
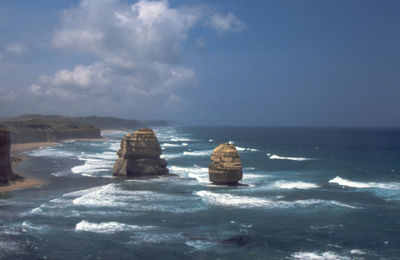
pixel 275 63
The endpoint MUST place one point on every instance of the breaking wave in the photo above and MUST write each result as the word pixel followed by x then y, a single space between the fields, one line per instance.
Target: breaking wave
pixel 246 149
pixel 365 185
pixel 173 145
pixel 318 256
pixel 295 185
pixel 198 153
pixel 53 152
pixel 277 157
pixel 225 199
pixel 196 172
pixel 187 153
pixel 107 227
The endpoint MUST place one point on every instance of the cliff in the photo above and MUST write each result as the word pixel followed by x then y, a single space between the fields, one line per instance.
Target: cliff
pixel 140 155
pixel 226 165
pixel 6 173
pixel 38 128
pixel 110 122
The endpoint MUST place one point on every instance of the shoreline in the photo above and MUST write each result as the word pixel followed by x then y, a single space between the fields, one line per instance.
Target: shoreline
pixel 16 157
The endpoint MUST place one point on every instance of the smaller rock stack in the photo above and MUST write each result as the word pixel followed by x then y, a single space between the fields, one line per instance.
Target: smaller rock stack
pixel 226 166
pixel 6 174
pixel 140 155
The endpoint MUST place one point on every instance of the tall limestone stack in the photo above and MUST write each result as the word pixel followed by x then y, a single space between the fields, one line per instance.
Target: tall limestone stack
pixel 226 166
pixel 140 155
pixel 6 173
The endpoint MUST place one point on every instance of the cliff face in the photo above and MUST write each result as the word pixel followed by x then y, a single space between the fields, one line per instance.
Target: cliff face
pixel 110 122
pixel 6 173
pixel 140 155
pixel 226 166
pixel 37 128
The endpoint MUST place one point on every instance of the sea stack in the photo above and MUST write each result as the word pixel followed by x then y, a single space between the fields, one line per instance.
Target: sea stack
pixel 6 174
pixel 139 155
pixel 226 166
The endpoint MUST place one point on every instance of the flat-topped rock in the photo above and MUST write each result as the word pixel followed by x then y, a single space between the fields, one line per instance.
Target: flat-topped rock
pixel 226 166
pixel 140 155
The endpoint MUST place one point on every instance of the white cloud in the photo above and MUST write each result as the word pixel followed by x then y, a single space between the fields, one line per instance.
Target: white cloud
pixel 136 51
pixel 16 48
pixel 80 76
pixel 226 23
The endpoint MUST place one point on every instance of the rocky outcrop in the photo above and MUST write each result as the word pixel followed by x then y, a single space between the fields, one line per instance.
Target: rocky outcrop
pixel 38 128
pixel 226 166
pixel 140 155
pixel 6 173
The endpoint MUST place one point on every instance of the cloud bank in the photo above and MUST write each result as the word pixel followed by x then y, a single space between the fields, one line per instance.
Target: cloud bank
pixel 135 52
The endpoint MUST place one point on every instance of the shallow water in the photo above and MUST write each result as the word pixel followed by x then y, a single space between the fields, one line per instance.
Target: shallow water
pixel 311 194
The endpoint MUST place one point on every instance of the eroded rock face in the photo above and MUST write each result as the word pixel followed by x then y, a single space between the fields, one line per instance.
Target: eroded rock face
pixel 226 166
pixel 140 155
pixel 6 173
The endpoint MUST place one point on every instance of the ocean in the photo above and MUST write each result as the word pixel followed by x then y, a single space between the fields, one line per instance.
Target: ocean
pixel 311 193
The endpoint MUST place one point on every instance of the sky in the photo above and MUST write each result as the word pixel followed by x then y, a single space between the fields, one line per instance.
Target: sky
pixel 225 62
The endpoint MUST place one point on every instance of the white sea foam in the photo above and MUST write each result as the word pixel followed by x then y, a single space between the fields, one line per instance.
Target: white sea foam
pixel 154 237
pixel 28 226
pixel 171 155
pixel 198 153
pixel 181 139
pixel 112 196
pixel 225 199
pixel 107 227
pixel 196 172
pixel 277 157
pixel 90 201
pixel 194 169
pixel 241 149
pixel 357 252
pixel 186 153
pixel 53 152
pixel 247 176
pixel 61 173
pixel 200 244
pixel 249 168
pixel 295 185
pixel 170 145
pixel 104 196
pixel 95 164
pixel 365 185
pixel 318 256
pixel 115 146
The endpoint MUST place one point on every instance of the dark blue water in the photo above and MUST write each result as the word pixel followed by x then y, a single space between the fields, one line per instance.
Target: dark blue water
pixel 312 194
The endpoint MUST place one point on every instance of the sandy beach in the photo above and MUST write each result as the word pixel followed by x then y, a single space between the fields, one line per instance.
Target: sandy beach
pixel 16 150
pixel 105 131
pixel 21 184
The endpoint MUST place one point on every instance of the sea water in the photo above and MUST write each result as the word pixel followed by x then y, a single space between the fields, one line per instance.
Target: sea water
pixel 311 194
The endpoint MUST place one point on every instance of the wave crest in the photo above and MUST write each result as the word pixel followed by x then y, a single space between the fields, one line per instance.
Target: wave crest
pixel 277 157
pixel 107 227
pixel 365 185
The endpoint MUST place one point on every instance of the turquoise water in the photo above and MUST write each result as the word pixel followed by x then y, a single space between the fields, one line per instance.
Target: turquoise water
pixel 311 194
